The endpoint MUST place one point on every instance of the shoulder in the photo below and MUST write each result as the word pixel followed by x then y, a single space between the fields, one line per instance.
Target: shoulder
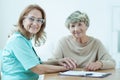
pixel 95 41
pixel 65 38
pixel 19 36
pixel 16 39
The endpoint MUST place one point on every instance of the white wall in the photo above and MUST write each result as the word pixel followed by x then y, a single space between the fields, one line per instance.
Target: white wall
pixel 99 12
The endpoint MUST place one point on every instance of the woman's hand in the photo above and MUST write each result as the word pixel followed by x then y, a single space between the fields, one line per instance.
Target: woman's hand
pixel 94 66
pixel 68 63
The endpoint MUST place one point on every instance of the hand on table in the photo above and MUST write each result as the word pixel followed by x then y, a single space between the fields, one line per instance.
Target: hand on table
pixel 93 66
pixel 68 63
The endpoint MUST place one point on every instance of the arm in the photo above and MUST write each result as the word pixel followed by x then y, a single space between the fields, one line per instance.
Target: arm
pixel 103 59
pixel 42 69
pixel 58 56
pixel 66 62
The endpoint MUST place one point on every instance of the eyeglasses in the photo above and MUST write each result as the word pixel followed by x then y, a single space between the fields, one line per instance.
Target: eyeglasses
pixel 38 20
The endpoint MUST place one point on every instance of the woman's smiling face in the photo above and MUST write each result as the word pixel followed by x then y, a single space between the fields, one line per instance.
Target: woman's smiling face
pixel 32 22
pixel 78 29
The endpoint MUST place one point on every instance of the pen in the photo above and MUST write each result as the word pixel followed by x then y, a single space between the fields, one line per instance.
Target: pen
pixel 87 74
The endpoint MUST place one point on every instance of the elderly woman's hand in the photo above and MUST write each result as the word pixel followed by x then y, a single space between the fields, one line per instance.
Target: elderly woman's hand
pixel 93 66
pixel 68 63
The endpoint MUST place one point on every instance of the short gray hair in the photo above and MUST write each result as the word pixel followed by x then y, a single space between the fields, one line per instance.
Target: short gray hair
pixel 77 16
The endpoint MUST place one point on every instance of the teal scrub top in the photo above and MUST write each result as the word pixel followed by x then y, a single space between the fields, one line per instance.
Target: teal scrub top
pixel 18 57
pixel 0 61
pixel 0 54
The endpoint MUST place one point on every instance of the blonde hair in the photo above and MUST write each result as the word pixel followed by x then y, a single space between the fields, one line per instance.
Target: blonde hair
pixel 40 37
pixel 77 16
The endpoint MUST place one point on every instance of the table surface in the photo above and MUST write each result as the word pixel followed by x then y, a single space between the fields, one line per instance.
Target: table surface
pixel 55 76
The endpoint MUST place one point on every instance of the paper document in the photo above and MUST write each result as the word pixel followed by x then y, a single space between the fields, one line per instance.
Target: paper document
pixel 85 74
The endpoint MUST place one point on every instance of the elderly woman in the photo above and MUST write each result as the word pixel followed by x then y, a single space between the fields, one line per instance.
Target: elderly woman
pixel 87 51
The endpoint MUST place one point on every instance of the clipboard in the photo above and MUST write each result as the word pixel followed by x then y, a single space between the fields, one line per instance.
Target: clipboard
pixel 85 74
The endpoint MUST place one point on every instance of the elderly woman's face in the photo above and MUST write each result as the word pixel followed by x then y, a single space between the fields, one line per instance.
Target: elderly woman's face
pixel 33 21
pixel 78 29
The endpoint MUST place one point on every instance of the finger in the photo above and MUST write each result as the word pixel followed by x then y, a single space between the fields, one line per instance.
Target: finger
pixel 63 64
pixel 93 67
pixel 90 67
pixel 87 67
pixel 72 62
pixel 68 63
